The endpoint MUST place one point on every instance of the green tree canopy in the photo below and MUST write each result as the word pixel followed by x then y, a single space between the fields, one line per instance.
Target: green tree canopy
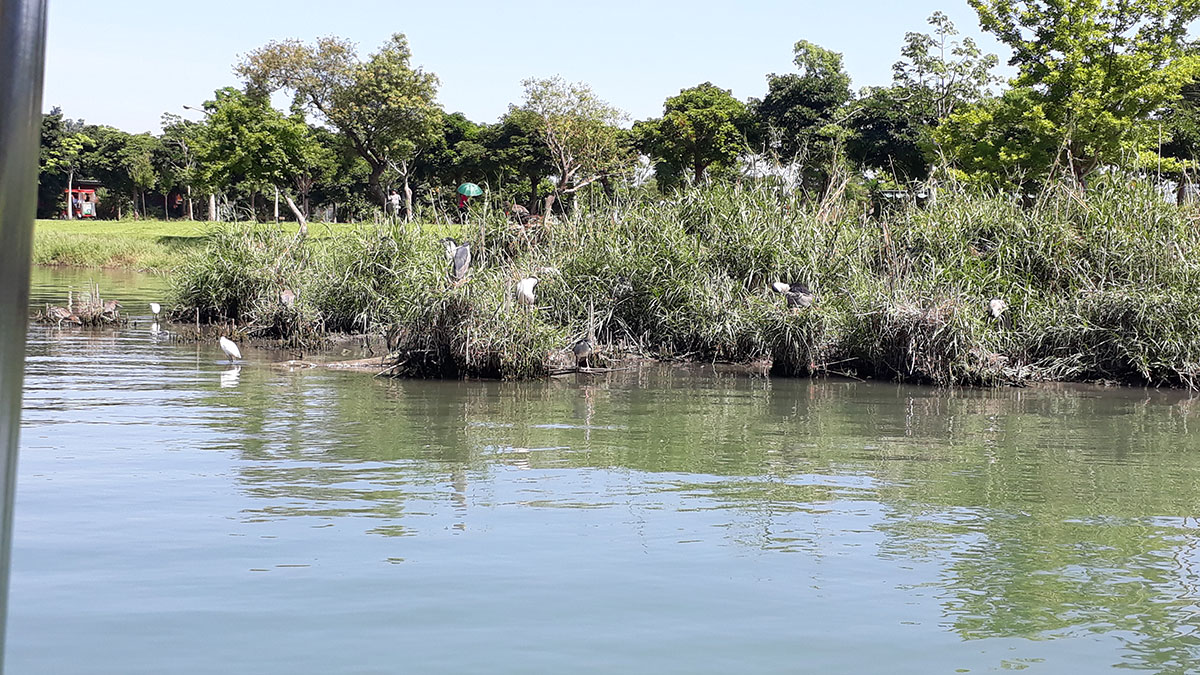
pixel 384 106
pixel 246 139
pixel 1094 70
pixel 702 128
pixel 579 130
pixel 798 106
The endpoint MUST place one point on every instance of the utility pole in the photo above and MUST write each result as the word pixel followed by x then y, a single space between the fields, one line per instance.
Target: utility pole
pixel 22 62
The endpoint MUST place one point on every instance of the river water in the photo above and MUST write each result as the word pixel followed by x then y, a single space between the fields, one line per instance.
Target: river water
pixel 176 514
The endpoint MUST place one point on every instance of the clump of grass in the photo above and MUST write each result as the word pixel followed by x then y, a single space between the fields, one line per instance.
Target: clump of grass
pixel 1098 286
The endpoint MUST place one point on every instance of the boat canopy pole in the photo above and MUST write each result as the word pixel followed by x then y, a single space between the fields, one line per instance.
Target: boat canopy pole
pixel 22 61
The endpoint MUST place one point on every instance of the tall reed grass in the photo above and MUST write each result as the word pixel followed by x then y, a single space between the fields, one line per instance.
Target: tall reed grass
pixel 1100 285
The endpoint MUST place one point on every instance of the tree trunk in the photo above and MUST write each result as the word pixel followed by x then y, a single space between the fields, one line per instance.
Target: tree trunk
pixel 166 206
pixel 548 208
pixel 212 207
pixel 698 172
pixel 373 182
pixel 191 213
pixel 303 231
pixel 144 214
pixel 70 196
pixel 277 206
pixel 408 214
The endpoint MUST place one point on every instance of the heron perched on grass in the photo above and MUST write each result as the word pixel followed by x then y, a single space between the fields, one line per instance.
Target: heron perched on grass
pixel 797 295
pixel 230 348
pixel 525 290
pixel 459 257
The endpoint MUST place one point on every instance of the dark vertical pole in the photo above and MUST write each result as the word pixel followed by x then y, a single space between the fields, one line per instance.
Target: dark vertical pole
pixel 22 58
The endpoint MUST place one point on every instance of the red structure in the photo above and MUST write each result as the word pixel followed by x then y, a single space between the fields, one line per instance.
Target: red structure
pixel 83 202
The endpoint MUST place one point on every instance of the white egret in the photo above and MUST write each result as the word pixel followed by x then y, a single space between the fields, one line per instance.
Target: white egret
pixel 525 290
pixel 155 309
pixel 797 295
pixel 230 348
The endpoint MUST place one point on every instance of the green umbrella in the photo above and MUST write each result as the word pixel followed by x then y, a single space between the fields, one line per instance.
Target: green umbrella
pixel 470 190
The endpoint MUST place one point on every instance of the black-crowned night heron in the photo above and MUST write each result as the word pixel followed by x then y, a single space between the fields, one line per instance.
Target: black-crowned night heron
pixel 584 349
pixel 525 290
pixel 230 348
pixel 797 295
pixel 459 256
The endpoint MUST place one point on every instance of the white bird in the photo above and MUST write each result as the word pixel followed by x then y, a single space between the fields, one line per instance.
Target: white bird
pixel 230 348
pixel 996 307
pixel 155 309
pixel 525 290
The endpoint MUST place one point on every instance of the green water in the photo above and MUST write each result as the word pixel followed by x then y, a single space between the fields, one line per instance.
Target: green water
pixel 177 514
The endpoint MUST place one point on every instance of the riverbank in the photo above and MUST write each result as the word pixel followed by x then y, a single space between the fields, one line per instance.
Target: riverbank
pixel 1101 286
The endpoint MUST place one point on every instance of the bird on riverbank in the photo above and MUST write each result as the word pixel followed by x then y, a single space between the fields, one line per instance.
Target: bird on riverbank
pixel 459 256
pixel 584 349
pixel 797 295
pixel 230 348
pixel 996 307
pixel 525 290
pixel 155 309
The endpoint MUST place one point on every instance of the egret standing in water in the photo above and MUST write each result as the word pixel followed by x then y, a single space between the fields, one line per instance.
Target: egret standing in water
pixel 230 348
pixel 525 291
pixel 154 309
pixel 797 295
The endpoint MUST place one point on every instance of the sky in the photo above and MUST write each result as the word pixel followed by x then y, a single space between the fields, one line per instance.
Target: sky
pixel 126 62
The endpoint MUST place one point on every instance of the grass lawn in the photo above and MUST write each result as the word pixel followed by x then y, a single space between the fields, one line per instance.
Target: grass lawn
pixel 153 245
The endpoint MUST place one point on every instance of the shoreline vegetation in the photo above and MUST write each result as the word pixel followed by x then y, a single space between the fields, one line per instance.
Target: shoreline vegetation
pixel 1097 286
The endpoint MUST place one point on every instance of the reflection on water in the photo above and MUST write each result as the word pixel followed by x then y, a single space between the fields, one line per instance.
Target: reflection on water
pixel 175 513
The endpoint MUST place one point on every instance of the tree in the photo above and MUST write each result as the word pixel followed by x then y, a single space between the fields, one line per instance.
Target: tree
pixel 799 118
pixel 798 105
pixel 935 77
pixel 177 157
pixel 137 161
pixel 579 130
pixel 63 154
pixel 1178 155
pixel 384 107
pixel 1008 141
pixel 942 75
pixel 1095 69
pixel 889 133
pixel 246 138
pixel 516 154
pixel 702 128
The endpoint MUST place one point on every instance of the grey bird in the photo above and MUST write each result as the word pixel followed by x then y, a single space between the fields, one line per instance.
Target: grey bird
pixel 584 349
pixel 798 295
pixel 459 256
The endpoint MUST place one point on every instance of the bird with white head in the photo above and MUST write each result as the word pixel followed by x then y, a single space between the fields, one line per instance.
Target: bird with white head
pixel 525 290
pixel 230 348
